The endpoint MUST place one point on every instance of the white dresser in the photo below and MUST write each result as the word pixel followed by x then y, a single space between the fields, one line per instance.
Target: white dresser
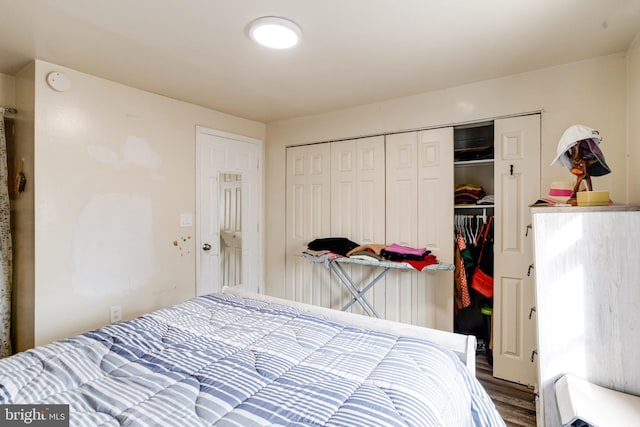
pixel 587 270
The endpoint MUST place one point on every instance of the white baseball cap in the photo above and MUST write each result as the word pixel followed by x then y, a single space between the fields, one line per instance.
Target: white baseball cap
pixel 571 137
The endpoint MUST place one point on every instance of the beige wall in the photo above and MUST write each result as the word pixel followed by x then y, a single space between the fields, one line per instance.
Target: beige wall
pixel 633 121
pixel 114 169
pixel 591 92
pixel 7 91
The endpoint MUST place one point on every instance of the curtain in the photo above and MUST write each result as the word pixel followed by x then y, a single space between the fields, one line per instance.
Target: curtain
pixel 6 265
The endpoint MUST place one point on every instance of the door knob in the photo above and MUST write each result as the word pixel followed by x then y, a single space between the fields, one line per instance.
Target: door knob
pixel 206 247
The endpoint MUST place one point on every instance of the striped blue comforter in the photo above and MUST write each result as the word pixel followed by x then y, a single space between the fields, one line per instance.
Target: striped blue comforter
pixel 231 361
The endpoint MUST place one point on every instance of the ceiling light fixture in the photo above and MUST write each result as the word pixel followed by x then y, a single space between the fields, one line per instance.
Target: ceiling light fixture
pixel 275 32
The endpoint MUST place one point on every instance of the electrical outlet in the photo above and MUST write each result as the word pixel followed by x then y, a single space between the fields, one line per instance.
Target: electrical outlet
pixel 116 313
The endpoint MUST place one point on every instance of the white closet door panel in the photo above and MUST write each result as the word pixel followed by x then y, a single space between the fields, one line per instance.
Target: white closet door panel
pixel 343 187
pixel 435 195
pixel 316 211
pixel 511 308
pixel 368 225
pixel 317 205
pixel 344 178
pixel 295 221
pixel 307 217
pixel 318 293
pixel 406 288
pixel 402 221
pixel 304 282
pixel 357 207
pixel 430 199
pixel 434 291
pixel 296 163
pixel 296 201
pixel 517 176
pixel 344 206
pixel 370 222
pixel 319 163
pixel 513 215
pixel 402 189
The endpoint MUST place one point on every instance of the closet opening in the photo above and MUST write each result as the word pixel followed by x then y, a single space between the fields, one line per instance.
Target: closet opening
pixel 473 232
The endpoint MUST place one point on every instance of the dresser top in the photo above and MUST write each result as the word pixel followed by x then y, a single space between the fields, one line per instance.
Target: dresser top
pixel 575 209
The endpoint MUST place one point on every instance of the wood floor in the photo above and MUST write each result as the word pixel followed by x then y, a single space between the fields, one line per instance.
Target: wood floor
pixel 514 402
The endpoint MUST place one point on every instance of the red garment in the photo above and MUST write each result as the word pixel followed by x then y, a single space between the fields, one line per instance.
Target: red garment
pixel 422 264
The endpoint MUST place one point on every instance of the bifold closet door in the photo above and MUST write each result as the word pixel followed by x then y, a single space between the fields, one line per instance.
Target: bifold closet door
pixel 358 209
pixel 435 219
pixel 517 181
pixel 308 203
pixel 333 190
pixel 419 209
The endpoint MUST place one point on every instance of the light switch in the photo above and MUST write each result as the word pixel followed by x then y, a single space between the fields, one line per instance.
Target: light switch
pixel 186 220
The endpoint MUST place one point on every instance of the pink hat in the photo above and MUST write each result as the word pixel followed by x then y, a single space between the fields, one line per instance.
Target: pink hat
pixel 561 189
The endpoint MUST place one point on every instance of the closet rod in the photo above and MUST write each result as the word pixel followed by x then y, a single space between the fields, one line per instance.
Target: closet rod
pixel 9 110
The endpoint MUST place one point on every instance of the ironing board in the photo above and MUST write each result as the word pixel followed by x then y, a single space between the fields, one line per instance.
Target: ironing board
pixel 357 294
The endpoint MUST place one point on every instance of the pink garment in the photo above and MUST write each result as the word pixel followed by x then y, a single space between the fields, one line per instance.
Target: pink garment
pixel 399 249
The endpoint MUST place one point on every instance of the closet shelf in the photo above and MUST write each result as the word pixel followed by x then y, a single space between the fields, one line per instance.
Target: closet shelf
pixel 473 162
pixel 473 206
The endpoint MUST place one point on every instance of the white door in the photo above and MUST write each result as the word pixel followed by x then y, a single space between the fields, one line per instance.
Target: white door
pixel 228 211
pixel 517 181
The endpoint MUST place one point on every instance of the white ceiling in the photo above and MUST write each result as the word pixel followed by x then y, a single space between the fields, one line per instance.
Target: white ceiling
pixel 353 52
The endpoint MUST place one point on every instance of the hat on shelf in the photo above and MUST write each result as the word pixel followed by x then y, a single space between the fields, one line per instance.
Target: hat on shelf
pixel 561 190
pixel 590 139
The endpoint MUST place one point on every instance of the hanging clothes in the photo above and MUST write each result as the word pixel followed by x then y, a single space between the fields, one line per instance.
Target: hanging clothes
pixel 462 260
pixel 482 278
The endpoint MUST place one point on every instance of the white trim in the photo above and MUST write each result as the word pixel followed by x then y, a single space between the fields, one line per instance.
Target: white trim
pixel 223 134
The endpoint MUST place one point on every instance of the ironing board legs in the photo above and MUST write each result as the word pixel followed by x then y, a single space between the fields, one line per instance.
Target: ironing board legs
pixel 358 296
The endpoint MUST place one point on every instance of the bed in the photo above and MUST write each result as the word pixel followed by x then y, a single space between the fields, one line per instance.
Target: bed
pixel 239 359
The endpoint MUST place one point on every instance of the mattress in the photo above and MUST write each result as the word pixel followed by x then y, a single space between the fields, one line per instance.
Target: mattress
pixel 226 360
